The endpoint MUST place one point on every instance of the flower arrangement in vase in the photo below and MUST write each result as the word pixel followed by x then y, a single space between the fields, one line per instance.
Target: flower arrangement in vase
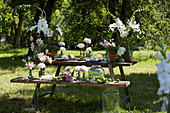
pixel 111 48
pixel 125 32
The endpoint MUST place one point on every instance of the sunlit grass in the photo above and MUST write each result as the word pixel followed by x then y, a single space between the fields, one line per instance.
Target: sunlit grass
pixel 143 88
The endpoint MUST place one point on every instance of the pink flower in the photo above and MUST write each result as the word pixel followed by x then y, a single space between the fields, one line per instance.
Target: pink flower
pixel 77 69
pixel 23 60
pixel 39 42
pixel 43 58
pixel 69 77
pixel 61 44
pixel 67 69
pixel 106 43
pixel 87 40
pixel 31 38
pixel 83 69
pixel 40 55
pixel 49 59
pixel 32 46
pixel 29 65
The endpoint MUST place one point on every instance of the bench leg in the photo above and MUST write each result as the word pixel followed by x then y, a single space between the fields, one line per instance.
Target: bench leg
pixel 126 88
pixel 111 71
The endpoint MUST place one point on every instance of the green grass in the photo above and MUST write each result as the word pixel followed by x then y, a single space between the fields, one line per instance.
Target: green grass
pixel 78 99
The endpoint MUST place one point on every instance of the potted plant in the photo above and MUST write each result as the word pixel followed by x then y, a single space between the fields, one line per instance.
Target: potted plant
pixel 53 49
pixel 111 49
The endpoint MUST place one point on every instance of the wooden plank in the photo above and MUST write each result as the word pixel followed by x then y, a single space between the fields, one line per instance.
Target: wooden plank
pixel 107 84
pixel 87 63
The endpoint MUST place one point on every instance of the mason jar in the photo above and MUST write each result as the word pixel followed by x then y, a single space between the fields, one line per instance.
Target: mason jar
pixel 95 72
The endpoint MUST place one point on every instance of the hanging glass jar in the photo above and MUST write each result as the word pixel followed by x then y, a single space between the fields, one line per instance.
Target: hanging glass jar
pixel 95 72
pixel 111 100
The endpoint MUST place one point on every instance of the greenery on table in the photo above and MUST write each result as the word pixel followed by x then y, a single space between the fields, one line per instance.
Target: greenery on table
pixel 143 87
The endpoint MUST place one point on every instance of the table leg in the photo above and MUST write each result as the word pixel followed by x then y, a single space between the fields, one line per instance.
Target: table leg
pixel 35 97
pixel 58 70
pixel 111 71
pixel 126 88
pixel 54 85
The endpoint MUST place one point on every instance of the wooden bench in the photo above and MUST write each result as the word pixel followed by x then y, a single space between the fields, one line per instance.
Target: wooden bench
pixel 61 82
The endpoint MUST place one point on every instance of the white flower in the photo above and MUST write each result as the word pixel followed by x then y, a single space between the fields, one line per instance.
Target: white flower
pixel 83 69
pixel 89 49
pixel 40 55
pixel 64 57
pixel 87 40
pixel 100 57
pixel 71 56
pixel 43 26
pixel 61 44
pixel 41 66
pixel 112 26
pixel 112 44
pixel 77 69
pixel 159 56
pixel 49 59
pixel 93 58
pixel 47 77
pixel 80 45
pixel 67 69
pixel 121 51
pixel 46 51
pixel 62 49
pixel 119 23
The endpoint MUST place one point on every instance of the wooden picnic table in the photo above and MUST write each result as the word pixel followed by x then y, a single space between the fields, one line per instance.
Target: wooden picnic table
pixel 60 63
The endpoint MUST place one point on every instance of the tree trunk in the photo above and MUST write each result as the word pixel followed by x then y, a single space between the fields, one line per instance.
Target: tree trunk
pixel 18 29
pixel 112 10
pixel 49 9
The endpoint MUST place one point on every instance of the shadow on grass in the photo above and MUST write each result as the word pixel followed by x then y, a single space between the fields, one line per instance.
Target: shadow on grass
pixel 86 99
pixel 12 62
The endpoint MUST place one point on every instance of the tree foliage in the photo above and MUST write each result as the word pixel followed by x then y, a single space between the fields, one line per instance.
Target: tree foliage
pixel 79 19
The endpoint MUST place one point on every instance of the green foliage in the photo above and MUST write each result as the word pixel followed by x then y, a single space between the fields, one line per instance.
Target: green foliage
pixel 154 20
pixel 53 48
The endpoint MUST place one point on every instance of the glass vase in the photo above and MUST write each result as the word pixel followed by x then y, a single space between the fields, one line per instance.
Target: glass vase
pixel 110 101
pixel 41 72
pixel 30 74
pixel 128 54
pixel 95 72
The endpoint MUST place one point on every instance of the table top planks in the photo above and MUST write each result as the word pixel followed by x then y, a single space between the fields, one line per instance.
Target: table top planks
pixel 61 82
pixel 88 63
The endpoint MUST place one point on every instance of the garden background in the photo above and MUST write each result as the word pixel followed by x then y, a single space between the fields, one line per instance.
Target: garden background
pixel 71 21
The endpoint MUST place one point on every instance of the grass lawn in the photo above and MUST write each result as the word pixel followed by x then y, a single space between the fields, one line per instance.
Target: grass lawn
pixel 79 99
